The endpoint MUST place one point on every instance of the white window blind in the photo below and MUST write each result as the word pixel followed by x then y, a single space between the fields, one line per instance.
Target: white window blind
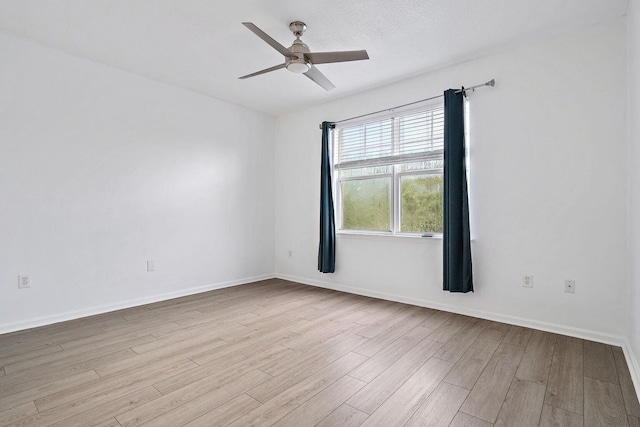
pixel 406 138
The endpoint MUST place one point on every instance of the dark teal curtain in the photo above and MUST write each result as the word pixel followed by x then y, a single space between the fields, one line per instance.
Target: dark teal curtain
pixel 457 270
pixel 327 249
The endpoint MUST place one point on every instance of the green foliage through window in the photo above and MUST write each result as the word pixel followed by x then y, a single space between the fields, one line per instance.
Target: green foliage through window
pixel 421 204
pixel 366 204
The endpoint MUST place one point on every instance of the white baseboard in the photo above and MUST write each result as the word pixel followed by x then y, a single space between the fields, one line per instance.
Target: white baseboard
pixel 512 320
pixel 632 363
pixel 71 315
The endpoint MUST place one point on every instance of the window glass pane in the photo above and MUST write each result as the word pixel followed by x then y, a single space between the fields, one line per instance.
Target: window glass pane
pixel 377 170
pixel 366 204
pixel 421 203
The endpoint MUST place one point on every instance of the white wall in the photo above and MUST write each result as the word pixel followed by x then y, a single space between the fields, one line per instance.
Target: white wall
pixel 548 190
pixel 101 170
pixel 633 119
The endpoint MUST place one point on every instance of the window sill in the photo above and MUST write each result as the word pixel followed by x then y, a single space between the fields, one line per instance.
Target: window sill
pixel 365 235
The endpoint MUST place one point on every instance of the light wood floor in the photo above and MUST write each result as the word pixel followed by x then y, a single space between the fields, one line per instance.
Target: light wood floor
pixel 278 353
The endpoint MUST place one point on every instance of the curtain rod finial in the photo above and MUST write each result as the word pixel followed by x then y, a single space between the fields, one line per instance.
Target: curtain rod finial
pixel 491 82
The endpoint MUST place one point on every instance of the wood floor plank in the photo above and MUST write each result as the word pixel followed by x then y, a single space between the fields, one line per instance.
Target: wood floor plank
pixel 186 338
pixel 455 348
pixel 487 395
pixel 382 341
pixel 436 319
pixel 115 384
pixel 60 333
pixel 60 360
pixel 161 327
pixel 626 383
pixel 404 402
pixel 95 322
pixel 385 358
pixel 229 368
pixel 465 420
pixel 216 318
pixel 467 370
pixel 305 366
pixel 556 417
pixel 18 382
pixel 226 413
pixel 565 388
pixel 138 362
pixel 349 314
pixel 518 335
pixel 109 423
pixel 9 349
pixel 449 328
pixel 127 325
pixel 495 331
pixel 83 403
pixel 603 404
pixel 244 344
pixel 164 404
pixel 279 406
pixel 343 416
pixel 322 404
pixel 23 355
pixel 633 421
pixel 599 363
pixel 17 413
pixel 391 319
pixel 112 408
pixel 440 407
pixel 536 362
pixel 523 405
pixel 179 408
pixel 322 335
pixel 32 394
pixel 384 385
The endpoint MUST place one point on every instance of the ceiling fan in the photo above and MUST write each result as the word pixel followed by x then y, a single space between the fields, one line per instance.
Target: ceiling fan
pixel 298 58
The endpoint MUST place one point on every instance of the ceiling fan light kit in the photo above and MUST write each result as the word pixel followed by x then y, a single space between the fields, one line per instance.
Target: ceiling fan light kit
pixel 298 66
pixel 299 59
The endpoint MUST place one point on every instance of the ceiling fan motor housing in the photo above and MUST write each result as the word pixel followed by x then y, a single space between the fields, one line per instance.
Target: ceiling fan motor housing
pixel 298 64
pixel 299 59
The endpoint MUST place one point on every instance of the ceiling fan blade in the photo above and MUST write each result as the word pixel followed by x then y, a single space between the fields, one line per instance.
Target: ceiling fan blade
pixel 315 75
pixel 267 38
pixel 266 70
pixel 343 56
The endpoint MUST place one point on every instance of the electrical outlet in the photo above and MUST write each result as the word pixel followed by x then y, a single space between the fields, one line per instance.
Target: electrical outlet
pixel 151 266
pixel 24 282
pixel 527 281
pixel 290 253
pixel 570 286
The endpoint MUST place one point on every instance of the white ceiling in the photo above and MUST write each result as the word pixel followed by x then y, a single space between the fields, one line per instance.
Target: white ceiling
pixel 201 45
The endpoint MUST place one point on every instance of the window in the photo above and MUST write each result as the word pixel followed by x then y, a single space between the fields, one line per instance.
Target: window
pixel 388 174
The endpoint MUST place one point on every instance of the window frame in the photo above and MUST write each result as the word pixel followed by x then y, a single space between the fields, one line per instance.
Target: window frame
pixel 394 176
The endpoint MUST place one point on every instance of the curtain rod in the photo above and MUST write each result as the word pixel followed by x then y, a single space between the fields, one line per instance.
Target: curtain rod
pixel 491 82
